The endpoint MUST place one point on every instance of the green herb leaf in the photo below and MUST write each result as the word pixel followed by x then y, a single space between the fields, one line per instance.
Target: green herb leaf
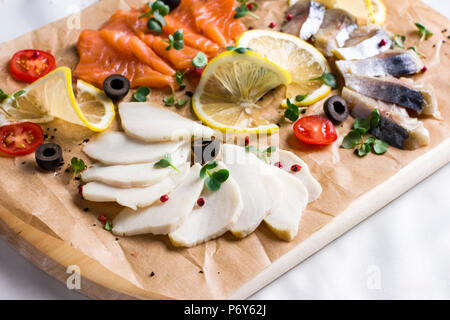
pixel 424 32
pixel 18 94
pixel 141 94
pixel 179 77
pixel 328 78
pixel 3 96
pixel 212 184
pixel 166 162
pixel 374 119
pixel 209 166
pixel 200 60
pixel 363 150
pixel 77 165
pixel 292 112
pixel 301 97
pixel 370 141
pixel 362 125
pixel 251 149
pixel 270 150
pixel 230 48
pixel 221 175
pixel 159 17
pixel 414 48
pixel 161 8
pixel 241 11
pixel 399 41
pixel 380 147
pixel 176 40
pixel 154 26
pixel 352 139
pixel 181 103
pixel 108 225
pixel 169 101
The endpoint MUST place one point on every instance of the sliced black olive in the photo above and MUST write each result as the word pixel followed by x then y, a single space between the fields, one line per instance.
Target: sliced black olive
pixel 205 150
pixel 116 86
pixel 173 4
pixel 49 156
pixel 336 109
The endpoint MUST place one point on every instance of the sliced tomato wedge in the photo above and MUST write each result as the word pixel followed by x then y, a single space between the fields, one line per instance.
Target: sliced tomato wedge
pixel 20 139
pixel 30 65
pixel 315 130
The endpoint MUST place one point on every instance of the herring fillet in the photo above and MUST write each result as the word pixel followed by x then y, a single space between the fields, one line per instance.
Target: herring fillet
pixel 388 89
pixel 221 210
pixel 253 176
pixel 361 107
pixel 113 148
pixel 364 43
pixel 134 197
pixel 150 123
pixel 394 63
pixel 431 107
pixel 307 17
pixel 336 29
pixel 162 218
pixel 284 219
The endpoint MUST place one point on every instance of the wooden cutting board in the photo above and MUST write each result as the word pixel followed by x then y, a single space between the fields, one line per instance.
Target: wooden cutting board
pixel 51 248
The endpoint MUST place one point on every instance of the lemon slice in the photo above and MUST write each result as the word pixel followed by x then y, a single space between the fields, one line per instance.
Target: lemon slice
pixel 301 59
pixel 53 96
pixel 228 95
pixel 365 10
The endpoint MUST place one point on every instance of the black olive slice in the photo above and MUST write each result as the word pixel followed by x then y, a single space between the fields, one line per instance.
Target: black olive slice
pixel 173 4
pixel 336 109
pixel 205 150
pixel 116 86
pixel 49 156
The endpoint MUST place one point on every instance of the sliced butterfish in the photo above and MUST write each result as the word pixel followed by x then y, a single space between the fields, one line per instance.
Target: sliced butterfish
pixel 134 197
pixel 364 43
pixel 394 63
pixel 336 28
pixel 221 210
pixel 431 107
pixel 162 217
pixel 117 148
pixel 307 17
pixel 284 219
pixel 287 160
pixel 151 123
pixel 253 176
pixel 387 89
pixel 134 175
pixel 396 126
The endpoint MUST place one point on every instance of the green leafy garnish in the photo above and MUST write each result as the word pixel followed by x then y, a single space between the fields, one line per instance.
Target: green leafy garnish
pixel 301 97
pixel 424 32
pixel 200 60
pixel 213 180
pixel 166 162
pixel 246 8
pixel 292 112
pixel 179 78
pixel 181 103
pixel 18 94
pixel 355 138
pixel 158 10
pixel 414 48
pixel 169 101
pixel 264 154
pixel 399 41
pixel 328 78
pixel 77 165
pixel 108 225
pixel 3 96
pixel 141 94
pixel 176 40
pixel 240 50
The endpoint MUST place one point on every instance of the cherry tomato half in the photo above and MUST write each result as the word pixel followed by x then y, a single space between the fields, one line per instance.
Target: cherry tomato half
pixel 30 65
pixel 21 138
pixel 315 130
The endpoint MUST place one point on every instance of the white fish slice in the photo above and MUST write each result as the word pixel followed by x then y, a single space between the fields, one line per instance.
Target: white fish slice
pixel 151 123
pixel 253 177
pixel 284 219
pixel 134 197
pixel 117 148
pixel 162 218
pixel 221 210
pixel 135 175
pixel 288 159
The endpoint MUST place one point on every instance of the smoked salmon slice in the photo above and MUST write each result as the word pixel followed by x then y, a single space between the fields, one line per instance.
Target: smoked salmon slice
pixel 124 45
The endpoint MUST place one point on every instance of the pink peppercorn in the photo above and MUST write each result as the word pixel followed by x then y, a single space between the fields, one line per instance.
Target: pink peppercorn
pixel 201 202
pixel 164 198
pixel 383 43
pixel 296 168
pixel 278 164
pixel 424 69
pixel 272 25
pixel 289 17
pixel 250 6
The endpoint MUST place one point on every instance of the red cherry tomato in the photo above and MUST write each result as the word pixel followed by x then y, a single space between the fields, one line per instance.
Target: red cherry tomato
pixel 21 138
pixel 315 130
pixel 30 65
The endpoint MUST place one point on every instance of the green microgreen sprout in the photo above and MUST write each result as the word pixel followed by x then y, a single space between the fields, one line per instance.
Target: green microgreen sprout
pixel 293 111
pixel 263 154
pixel 399 41
pixel 424 32
pixel 141 94
pixel 328 78
pixel 77 165
pixel 166 162
pixel 246 8
pixel 200 60
pixel 176 40
pixel 213 180
pixel 158 10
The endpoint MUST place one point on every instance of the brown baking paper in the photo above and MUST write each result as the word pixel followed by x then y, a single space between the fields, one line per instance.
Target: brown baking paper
pixel 51 203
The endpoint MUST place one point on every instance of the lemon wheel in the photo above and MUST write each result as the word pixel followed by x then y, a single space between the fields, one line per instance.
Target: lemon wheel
pixel 230 89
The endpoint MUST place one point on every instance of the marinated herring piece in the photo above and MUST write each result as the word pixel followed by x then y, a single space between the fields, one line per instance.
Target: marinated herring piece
pixel 365 42
pixel 150 123
pixel 221 210
pixel 387 89
pixel 134 197
pixel 394 63
pixel 335 30
pixel 307 17
pixel 431 107
pixel 116 148
pixel 162 217
pixel 253 176
pixel 396 127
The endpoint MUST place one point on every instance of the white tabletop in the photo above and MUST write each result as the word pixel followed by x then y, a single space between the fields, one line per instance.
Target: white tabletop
pixel 402 252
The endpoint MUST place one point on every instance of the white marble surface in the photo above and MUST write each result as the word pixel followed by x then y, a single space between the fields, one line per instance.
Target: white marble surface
pixel 402 252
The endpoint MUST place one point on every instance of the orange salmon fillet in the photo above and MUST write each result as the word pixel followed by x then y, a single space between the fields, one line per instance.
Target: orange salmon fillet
pixel 124 45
